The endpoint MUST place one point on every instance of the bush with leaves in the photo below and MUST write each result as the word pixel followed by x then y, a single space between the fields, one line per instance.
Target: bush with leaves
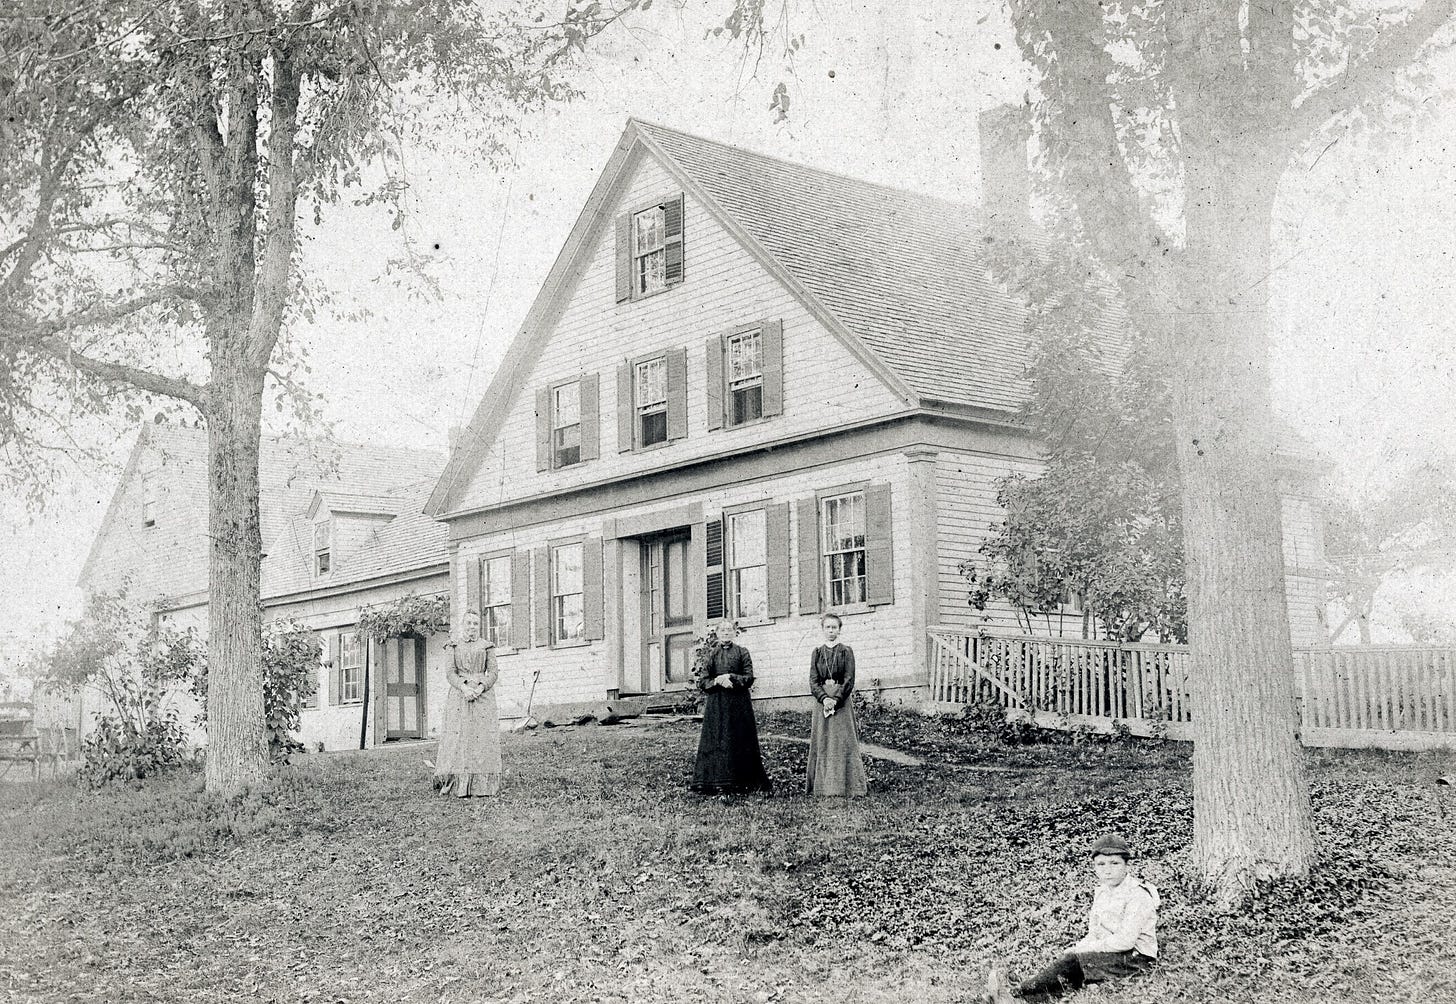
pixel 141 669
pixel 290 675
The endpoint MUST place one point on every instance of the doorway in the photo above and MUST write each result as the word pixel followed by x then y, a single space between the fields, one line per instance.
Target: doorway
pixel 667 615
pixel 400 711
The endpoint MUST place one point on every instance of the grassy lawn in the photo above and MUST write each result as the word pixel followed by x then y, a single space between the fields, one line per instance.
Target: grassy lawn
pixel 596 877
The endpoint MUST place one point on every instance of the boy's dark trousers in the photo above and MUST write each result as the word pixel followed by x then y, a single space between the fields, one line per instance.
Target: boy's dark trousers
pixel 1074 970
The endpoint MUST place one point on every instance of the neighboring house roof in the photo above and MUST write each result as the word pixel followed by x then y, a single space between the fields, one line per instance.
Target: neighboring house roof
pixel 410 541
pixel 353 503
pixel 290 471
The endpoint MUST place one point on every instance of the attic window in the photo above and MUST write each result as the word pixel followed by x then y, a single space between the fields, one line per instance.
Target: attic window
pixel 650 249
pixel 321 537
pixel 149 500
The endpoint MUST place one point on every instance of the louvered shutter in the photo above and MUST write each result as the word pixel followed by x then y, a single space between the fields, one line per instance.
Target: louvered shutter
pixel 810 562
pixel 520 600
pixel 593 621
pixel 336 662
pixel 677 394
pixel 541 567
pixel 626 409
pixel 591 418
pixel 879 545
pixel 776 519
pixel 713 361
pixel 472 586
pixel 713 566
pixel 624 258
pixel 773 368
pixel 672 213
pixel 543 429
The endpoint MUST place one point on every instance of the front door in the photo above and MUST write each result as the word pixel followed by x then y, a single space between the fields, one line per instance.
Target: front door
pixel 667 616
pixel 401 707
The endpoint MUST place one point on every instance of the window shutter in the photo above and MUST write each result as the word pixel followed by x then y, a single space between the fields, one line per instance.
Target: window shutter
pixel 713 355
pixel 810 560
pixel 520 600
pixel 713 562
pixel 879 545
pixel 776 518
pixel 773 368
pixel 541 566
pixel 336 678
pixel 593 622
pixel 472 585
pixel 591 418
pixel 624 257
pixel 672 214
pixel 677 394
pixel 626 410
pixel 328 693
pixel 543 429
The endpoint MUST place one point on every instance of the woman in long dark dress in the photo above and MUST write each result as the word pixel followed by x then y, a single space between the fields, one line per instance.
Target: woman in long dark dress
pixel 729 760
pixel 835 767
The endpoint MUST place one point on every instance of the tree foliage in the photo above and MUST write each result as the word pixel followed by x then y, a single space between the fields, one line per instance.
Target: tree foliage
pixel 290 676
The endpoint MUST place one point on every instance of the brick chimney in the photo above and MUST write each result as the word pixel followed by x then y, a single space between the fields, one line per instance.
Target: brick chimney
pixel 1005 178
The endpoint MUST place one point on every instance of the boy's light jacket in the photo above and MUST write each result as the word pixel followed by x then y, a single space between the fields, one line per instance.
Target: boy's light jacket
pixel 1123 917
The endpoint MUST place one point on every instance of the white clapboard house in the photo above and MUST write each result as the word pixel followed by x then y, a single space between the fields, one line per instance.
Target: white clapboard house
pixel 754 388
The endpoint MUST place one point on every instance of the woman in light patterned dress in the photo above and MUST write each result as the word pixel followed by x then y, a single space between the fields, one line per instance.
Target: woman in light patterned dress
pixel 469 762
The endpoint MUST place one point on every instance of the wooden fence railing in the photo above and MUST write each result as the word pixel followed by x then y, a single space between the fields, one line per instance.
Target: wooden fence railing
pixel 1404 689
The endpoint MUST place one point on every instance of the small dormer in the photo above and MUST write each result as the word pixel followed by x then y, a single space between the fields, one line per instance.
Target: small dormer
pixel 341 523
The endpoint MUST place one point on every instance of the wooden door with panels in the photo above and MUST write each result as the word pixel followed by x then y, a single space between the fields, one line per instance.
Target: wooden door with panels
pixel 667 614
pixel 399 702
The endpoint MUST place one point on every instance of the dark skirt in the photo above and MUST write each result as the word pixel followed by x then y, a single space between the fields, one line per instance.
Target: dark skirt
pixel 729 759
pixel 835 767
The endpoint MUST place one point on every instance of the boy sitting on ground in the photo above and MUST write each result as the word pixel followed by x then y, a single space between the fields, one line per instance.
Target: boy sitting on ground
pixel 1121 936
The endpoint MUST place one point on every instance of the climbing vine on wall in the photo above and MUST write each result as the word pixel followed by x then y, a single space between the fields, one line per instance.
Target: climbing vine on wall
pixel 421 615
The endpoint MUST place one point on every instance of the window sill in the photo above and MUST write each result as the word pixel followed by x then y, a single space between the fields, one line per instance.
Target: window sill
pixel 356 702
pixel 506 651
pixel 745 624
pixel 749 424
pixel 851 610
pixel 574 643
pixel 639 297
pixel 653 447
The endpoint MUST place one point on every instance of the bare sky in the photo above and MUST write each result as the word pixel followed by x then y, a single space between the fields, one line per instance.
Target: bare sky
pixel 1363 303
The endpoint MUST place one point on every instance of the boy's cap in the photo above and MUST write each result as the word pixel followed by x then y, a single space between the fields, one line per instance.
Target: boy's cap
pixel 1111 843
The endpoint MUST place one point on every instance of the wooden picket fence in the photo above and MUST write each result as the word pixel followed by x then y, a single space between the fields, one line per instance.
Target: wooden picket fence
pixel 1393 697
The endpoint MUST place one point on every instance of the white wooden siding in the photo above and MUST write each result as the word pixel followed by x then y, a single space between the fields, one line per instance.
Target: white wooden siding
pixel 825 386
pixel 882 637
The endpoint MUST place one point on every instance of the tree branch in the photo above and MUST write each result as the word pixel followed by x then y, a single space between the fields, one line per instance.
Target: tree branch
pixel 1397 48
pixel 39 331
pixel 146 380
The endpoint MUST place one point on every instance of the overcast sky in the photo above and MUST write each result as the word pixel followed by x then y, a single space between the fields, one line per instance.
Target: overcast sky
pixel 1363 294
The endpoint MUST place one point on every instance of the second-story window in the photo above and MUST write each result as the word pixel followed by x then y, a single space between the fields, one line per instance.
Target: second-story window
pixel 651 393
pixel 566 424
pixel 321 550
pixel 745 377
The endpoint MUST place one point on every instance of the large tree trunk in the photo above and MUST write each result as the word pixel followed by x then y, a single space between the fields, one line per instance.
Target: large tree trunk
pixel 237 748
pixel 1252 815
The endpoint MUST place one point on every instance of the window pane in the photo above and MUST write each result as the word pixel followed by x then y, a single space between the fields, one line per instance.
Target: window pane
pixel 349 650
pixel 650 228
pixel 748 534
pixel 844 522
pixel 652 272
pixel 750 593
pixel 654 428
pixel 747 404
pixel 498 625
pixel 651 382
pixel 568 405
pixel 566 569
pixel 745 357
pixel 569 621
pixel 496 589
pixel 321 535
